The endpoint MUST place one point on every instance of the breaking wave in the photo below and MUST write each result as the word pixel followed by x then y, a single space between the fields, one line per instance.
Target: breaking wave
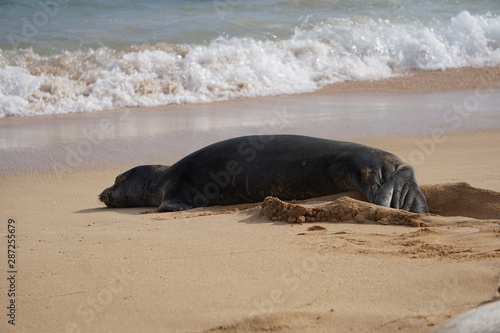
pixel 330 51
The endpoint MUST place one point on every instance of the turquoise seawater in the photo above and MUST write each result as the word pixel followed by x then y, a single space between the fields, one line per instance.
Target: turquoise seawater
pixel 61 56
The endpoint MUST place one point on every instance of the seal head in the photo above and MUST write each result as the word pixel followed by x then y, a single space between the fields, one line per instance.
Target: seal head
pixel 137 187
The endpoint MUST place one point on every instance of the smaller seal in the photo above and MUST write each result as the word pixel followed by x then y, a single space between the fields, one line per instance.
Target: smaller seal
pixel 485 319
pixel 250 168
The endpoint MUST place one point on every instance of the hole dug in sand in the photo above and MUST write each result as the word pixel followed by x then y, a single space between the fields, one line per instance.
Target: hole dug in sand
pixel 453 199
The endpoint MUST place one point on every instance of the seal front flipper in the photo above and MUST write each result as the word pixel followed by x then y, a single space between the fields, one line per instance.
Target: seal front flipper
pixel 172 206
pixel 176 197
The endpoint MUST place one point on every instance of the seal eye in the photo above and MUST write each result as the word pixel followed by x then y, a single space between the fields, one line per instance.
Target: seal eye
pixel 119 179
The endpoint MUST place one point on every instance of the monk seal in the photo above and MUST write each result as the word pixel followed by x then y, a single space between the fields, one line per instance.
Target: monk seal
pixel 249 168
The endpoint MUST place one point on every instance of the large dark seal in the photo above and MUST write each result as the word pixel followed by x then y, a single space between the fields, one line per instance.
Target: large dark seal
pixel 250 168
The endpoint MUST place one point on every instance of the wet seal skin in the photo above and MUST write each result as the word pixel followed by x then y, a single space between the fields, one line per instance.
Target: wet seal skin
pixel 251 168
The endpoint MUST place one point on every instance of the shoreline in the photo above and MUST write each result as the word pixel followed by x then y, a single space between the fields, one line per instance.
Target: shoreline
pixel 346 111
pixel 418 151
pixel 453 79
pixel 407 82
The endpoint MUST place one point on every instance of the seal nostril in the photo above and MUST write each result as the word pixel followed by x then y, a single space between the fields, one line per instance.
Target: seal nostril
pixel 106 197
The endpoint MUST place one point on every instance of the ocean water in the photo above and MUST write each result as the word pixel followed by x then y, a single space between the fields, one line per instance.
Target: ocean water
pixel 63 56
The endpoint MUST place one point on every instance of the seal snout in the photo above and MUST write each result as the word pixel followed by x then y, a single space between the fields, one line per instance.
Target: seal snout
pixel 107 197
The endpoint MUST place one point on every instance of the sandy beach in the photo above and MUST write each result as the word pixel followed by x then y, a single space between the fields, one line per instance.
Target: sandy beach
pixel 81 267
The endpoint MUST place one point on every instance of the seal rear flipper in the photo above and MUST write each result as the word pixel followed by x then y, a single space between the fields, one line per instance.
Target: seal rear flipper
pixel 400 191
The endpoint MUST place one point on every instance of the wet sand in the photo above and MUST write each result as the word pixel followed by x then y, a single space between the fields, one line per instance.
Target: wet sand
pixel 83 267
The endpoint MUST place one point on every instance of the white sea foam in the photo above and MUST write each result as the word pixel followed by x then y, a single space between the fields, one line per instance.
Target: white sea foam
pixel 330 51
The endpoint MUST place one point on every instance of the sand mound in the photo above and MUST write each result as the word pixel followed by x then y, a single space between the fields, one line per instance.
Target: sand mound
pixel 461 199
pixel 458 199
pixel 339 210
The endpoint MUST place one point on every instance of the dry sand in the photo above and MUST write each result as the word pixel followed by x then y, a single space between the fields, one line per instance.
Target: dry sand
pixel 85 268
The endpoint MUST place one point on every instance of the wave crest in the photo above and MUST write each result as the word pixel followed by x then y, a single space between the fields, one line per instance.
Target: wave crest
pixel 334 50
